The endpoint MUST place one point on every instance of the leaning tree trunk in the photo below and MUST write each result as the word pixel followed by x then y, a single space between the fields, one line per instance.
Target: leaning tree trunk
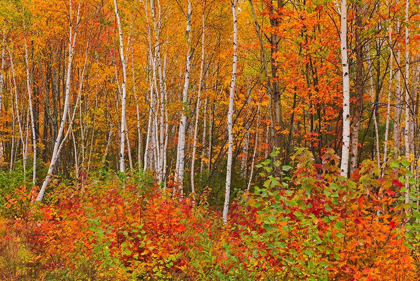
pixel 57 144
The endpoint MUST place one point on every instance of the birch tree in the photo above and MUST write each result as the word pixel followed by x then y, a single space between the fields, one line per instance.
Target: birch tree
pixel 397 107
pixel 31 110
pixel 407 127
pixel 179 174
pixel 230 113
pixel 123 91
pixel 346 92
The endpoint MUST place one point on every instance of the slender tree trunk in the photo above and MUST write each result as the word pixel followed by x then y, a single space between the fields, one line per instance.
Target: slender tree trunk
pixel 1 96
pixel 255 148
pixel 203 144
pixel 123 89
pixel 358 108
pixel 13 132
pixel 139 134
pixel 398 101
pixel 276 100
pixel 388 108
pixel 197 110
pixel 179 176
pixel 31 110
pixel 230 113
pixel 210 149
pixel 372 96
pixel 407 127
pixel 346 92
pixel 19 119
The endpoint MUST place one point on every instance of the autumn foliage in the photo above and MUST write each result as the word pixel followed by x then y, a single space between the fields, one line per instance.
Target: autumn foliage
pixel 312 225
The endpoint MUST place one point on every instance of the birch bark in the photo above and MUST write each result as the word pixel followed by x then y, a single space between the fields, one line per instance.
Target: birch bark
pixel 230 113
pixel 346 92
pixel 124 92
pixel 179 174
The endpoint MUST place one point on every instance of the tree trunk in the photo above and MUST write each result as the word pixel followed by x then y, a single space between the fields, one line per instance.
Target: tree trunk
pixel 388 108
pixel 200 87
pixel 31 110
pixel 57 144
pixel 358 108
pixel 346 92
pixel 230 113
pixel 123 89
pixel 179 175
pixel 407 127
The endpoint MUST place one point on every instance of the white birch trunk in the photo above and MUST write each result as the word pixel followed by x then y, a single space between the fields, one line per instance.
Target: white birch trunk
pixel 230 113
pixel 28 88
pixel 123 89
pixel 346 92
pixel 179 175
pixel 398 100
pixel 407 98
pixel 139 134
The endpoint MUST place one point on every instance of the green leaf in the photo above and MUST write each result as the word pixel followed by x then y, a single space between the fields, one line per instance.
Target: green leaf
pixel 266 162
pixel 286 168
pixel 291 203
pixel 394 164
pixel 338 225
pixel 405 163
pixel 308 252
pixel 334 186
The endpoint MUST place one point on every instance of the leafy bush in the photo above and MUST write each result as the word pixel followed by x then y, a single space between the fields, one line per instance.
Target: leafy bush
pixel 310 224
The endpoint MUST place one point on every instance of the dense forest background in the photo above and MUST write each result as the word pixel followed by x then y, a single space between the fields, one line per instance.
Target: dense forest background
pixel 180 139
